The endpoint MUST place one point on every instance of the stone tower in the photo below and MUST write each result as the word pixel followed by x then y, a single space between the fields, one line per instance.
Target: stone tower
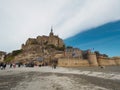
pixel 55 40
pixel 92 59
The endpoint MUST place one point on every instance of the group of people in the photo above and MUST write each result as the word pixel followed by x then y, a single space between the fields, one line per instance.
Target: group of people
pixel 2 65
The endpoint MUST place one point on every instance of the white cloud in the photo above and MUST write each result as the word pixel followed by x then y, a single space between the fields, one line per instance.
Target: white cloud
pixel 92 14
pixel 21 19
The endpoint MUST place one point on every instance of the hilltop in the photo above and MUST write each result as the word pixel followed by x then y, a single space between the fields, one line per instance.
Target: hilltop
pixel 39 48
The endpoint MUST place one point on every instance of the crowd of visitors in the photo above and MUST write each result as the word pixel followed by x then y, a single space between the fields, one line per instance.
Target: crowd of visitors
pixel 3 65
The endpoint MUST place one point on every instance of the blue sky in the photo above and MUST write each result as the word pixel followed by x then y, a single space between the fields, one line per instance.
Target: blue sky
pixel 21 19
pixel 104 39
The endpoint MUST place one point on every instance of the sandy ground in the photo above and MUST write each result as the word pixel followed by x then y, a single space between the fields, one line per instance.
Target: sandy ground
pixel 46 78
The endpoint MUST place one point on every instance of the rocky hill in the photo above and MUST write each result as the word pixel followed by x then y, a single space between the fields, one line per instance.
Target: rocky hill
pixel 39 47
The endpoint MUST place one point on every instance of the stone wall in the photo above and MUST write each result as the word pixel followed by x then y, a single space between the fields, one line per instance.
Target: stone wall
pixel 41 40
pixel 104 61
pixel 29 48
pixel 91 61
pixel 72 62
pixel 117 61
pixel 31 41
pixel 27 56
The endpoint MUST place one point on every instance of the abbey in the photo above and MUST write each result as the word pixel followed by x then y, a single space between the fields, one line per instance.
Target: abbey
pixel 42 41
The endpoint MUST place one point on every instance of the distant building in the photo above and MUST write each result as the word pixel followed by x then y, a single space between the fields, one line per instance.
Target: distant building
pixel 73 53
pixel 2 56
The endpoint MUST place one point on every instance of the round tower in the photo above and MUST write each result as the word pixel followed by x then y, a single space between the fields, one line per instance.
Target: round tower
pixel 92 59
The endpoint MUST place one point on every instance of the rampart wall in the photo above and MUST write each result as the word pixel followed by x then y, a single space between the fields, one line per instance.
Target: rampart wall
pixel 92 61
pixel 108 61
pixel 72 62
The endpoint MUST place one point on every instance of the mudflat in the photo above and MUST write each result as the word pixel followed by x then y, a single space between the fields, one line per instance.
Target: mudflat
pixel 46 78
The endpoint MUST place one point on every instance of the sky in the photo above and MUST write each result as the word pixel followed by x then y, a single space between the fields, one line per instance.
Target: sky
pixel 23 19
pixel 104 39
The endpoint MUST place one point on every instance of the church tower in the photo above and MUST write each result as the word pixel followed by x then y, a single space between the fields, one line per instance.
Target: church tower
pixel 54 39
pixel 51 33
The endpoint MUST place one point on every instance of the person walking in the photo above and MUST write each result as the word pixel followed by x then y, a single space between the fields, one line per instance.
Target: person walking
pixel 11 65
pixel 14 65
pixel 1 65
pixel 4 65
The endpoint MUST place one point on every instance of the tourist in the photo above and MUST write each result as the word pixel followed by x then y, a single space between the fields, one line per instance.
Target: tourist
pixel 4 65
pixel 52 65
pixel 55 65
pixel 14 65
pixel 11 65
pixel 1 65
pixel 19 64
pixel 103 67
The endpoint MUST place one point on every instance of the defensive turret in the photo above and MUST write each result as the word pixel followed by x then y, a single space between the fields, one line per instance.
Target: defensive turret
pixel 92 59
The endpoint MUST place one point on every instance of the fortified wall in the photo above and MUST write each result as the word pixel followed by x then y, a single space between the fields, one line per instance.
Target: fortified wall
pixel 104 61
pixel 65 62
pixel 92 60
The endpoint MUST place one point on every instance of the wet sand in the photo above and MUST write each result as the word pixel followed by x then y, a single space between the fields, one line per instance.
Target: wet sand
pixel 39 79
pixel 107 69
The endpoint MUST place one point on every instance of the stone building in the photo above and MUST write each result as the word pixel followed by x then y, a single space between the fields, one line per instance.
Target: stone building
pixel 73 53
pixel 2 55
pixel 41 46
pixel 42 41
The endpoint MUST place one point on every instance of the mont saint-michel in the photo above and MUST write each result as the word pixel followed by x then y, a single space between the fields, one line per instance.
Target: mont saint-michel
pixel 79 52
pixel 46 63
pixel 44 50
pixel 42 64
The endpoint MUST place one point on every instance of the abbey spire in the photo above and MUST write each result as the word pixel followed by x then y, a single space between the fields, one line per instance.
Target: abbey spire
pixel 51 33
